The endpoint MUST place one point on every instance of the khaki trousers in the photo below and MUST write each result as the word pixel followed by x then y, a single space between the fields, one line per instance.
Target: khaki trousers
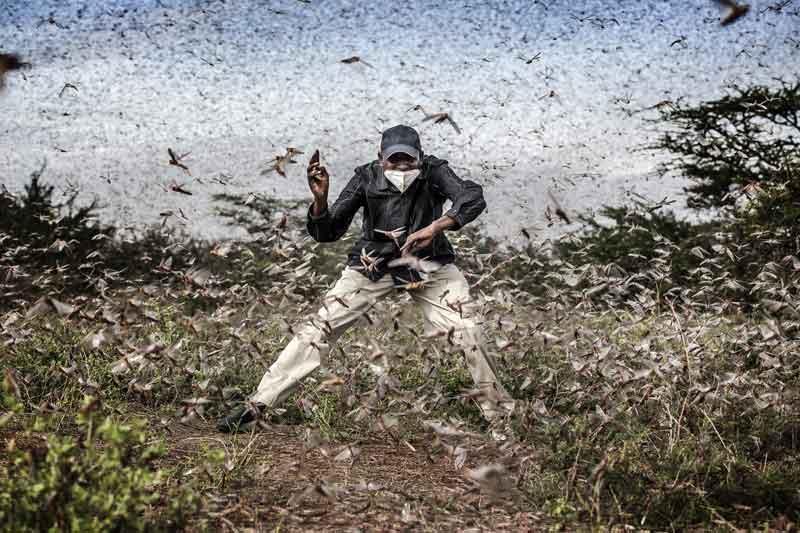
pixel 353 295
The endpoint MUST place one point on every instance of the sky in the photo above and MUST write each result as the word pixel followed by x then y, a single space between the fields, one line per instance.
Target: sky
pixel 548 95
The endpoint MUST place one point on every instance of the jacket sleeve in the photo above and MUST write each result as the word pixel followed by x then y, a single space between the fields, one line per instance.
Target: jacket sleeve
pixel 466 195
pixel 332 224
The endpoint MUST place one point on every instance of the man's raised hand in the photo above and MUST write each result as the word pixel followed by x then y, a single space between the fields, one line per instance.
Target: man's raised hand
pixel 318 180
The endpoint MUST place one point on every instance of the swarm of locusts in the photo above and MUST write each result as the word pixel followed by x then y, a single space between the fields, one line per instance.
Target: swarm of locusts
pixel 599 360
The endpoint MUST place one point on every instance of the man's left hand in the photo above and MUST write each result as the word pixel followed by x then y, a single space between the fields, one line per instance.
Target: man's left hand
pixel 419 239
pixel 424 237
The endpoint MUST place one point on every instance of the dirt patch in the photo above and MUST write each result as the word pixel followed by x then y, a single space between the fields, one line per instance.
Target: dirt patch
pixel 276 483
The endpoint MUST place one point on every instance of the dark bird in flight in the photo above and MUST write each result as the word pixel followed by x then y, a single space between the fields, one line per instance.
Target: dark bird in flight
pixel 9 62
pixel 735 11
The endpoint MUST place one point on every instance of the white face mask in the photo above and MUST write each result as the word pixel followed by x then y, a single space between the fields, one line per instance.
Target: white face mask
pixel 401 179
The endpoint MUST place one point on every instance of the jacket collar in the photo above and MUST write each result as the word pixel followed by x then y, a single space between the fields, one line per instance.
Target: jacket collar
pixel 381 183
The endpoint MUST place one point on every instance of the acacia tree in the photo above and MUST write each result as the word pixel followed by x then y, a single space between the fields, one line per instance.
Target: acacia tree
pixel 742 155
pixel 742 142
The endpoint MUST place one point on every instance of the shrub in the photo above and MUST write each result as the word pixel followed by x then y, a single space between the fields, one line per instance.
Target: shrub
pixel 101 480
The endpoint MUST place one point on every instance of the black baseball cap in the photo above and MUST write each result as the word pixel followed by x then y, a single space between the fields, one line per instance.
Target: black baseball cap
pixel 400 139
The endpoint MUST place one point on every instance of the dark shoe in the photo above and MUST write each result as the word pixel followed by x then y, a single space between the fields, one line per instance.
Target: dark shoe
pixel 238 418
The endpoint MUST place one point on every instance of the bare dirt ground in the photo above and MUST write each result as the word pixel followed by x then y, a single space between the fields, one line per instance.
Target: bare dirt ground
pixel 276 485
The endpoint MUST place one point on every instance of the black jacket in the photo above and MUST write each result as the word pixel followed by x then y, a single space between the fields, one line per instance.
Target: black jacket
pixel 385 208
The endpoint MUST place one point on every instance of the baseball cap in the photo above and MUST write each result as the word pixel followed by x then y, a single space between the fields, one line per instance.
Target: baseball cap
pixel 400 139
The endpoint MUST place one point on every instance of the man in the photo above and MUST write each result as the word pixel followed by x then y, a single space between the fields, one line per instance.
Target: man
pixel 402 246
